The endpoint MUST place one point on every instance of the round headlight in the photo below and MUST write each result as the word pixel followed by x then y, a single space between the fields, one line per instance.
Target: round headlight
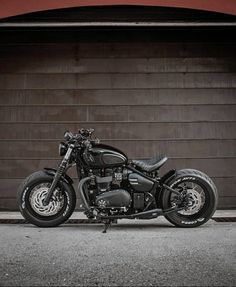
pixel 67 135
pixel 62 148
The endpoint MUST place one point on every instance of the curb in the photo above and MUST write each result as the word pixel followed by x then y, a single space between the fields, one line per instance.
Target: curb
pixel 224 219
pixel 70 221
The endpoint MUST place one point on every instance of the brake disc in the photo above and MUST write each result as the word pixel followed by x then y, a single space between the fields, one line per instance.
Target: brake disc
pixel 37 196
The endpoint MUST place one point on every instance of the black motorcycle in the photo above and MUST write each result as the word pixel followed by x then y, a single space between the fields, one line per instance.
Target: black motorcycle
pixel 112 187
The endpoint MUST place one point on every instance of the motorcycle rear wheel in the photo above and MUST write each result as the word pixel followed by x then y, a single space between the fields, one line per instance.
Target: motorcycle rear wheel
pixel 31 193
pixel 203 198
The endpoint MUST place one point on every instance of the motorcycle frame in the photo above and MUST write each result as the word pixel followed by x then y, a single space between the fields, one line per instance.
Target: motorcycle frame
pixel 159 186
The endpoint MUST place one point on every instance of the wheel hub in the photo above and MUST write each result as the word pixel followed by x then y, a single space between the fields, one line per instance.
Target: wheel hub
pixel 37 197
pixel 193 202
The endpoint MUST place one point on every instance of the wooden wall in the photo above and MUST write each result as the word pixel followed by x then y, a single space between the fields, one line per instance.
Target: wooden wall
pixel 174 98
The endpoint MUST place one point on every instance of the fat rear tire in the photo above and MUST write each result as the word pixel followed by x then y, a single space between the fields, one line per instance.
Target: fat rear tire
pixel 29 213
pixel 207 210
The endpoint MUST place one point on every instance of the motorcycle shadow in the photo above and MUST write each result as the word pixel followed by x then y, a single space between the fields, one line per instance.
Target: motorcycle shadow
pixel 121 225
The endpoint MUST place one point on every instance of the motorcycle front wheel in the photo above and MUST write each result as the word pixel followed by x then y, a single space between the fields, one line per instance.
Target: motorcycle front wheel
pixel 31 194
pixel 202 194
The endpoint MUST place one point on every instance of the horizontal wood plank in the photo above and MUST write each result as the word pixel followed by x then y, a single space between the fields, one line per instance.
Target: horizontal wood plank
pixel 118 81
pixel 121 50
pixel 226 202
pixel 134 149
pixel 74 64
pixel 127 131
pixel 163 114
pixel 180 96
pixel 9 204
pixel 114 113
pixel 43 114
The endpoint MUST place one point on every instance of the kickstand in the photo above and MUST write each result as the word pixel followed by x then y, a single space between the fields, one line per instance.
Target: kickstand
pixel 107 224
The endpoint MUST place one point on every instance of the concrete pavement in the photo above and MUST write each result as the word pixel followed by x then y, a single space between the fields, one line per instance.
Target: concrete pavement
pixel 132 253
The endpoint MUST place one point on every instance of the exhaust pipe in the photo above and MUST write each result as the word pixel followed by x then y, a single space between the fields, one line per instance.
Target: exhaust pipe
pixel 154 212
pixel 81 191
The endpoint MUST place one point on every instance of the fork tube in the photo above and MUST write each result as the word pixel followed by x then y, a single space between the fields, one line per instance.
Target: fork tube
pixel 58 174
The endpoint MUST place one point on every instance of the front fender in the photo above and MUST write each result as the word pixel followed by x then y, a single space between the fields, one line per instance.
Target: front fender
pixel 52 171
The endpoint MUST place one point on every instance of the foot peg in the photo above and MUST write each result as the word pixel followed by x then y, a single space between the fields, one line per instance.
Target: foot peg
pixel 89 214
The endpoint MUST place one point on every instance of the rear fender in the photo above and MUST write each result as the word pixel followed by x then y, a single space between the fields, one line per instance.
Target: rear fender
pixel 52 171
pixel 167 176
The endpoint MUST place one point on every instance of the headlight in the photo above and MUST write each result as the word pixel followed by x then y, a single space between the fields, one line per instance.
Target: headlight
pixel 62 148
pixel 67 135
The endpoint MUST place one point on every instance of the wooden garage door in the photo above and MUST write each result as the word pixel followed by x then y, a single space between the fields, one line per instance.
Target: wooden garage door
pixel 145 98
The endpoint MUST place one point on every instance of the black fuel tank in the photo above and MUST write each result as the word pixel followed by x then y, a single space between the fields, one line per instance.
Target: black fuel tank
pixel 103 156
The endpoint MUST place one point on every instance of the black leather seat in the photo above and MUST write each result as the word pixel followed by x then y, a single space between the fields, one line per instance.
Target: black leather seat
pixel 149 165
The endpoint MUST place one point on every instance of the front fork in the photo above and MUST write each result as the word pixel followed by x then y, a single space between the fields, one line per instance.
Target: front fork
pixel 60 171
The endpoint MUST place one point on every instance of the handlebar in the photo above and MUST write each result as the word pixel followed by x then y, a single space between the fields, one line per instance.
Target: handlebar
pixel 85 132
pixel 83 136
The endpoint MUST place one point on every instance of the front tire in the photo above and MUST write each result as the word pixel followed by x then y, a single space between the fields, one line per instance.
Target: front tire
pixel 33 190
pixel 203 194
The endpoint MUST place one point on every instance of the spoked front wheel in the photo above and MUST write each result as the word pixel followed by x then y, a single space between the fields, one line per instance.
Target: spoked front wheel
pixel 31 195
pixel 200 198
